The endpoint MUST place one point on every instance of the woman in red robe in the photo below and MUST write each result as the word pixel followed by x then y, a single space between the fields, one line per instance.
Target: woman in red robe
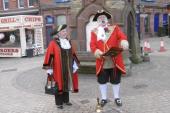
pixel 61 56
pixel 108 68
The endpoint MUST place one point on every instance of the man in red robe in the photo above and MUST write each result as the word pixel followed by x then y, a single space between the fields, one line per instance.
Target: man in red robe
pixel 61 57
pixel 108 68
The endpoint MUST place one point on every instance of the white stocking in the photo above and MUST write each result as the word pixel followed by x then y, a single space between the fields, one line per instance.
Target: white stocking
pixel 116 89
pixel 103 90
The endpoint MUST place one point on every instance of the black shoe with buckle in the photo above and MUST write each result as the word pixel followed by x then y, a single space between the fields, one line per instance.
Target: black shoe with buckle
pixel 60 106
pixel 103 102
pixel 68 104
pixel 118 102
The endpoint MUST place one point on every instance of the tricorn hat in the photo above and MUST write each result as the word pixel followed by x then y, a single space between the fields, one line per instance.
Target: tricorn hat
pixel 58 29
pixel 102 12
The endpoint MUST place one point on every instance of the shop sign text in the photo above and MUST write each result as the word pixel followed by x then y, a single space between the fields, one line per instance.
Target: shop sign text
pixel 9 52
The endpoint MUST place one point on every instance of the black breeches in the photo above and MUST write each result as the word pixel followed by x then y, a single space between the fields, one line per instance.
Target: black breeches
pixel 109 75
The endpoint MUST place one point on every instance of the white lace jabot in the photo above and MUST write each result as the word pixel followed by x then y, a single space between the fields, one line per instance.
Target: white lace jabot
pixel 101 35
pixel 64 43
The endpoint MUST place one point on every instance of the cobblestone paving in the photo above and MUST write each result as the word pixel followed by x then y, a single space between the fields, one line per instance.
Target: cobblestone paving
pixel 146 90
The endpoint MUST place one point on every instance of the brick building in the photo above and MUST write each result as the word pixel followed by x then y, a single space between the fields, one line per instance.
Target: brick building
pixel 18 7
pixel 153 17
pixel 78 15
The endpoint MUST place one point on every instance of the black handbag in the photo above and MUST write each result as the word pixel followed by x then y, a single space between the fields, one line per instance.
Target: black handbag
pixel 51 90
pixel 55 89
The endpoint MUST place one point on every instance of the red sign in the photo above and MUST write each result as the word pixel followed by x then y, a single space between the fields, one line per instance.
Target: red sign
pixel 32 19
pixel 10 52
pixel 8 20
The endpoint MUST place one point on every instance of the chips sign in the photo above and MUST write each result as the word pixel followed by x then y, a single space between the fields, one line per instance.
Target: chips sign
pixel 32 19
pixel 21 20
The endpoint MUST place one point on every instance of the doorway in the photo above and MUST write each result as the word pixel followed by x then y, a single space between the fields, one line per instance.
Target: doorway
pixel 156 22
pixel 89 27
pixel 48 34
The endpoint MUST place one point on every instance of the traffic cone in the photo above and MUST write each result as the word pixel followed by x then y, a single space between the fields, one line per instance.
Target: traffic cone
pixel 145 46
pixel 149 47
pixel 162 48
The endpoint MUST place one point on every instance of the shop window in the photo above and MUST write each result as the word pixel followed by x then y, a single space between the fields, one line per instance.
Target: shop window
pixel 165 19
pixel 31 3
pixel 61 19
pixel 10 38
pixel 20 3
pixel 62 1
pixel 6 4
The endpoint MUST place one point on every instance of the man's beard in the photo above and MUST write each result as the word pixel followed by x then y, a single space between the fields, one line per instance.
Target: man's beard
pixel 104 24
pixel 63 37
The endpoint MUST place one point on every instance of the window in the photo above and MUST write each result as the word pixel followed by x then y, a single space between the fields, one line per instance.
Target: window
pixel 30 37
pixel 6 4
pixel 61 19
pixel 61 1
pixel 49 19
pixel 10 38
pixel 20 3
pixel 32 2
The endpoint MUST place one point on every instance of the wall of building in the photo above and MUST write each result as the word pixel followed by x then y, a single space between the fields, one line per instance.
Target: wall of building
pixel 13 4
pixel 149 10
pixel 78 14
pixel 1 5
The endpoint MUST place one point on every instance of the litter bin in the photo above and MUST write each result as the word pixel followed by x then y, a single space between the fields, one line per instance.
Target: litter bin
pixel 160 29
pixel 29 52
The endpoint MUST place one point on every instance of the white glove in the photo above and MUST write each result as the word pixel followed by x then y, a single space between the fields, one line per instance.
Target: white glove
pixel 98 53
pixel 49 71
pixel 124 44
pixel 75 67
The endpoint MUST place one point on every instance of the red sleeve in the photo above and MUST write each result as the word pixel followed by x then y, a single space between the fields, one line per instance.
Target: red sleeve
pixel 93 42
pixel 74 53
pixel 49 56
pixel 120 34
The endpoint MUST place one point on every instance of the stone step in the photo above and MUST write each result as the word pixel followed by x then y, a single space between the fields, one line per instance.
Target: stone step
pixel 85 56
pixel 87 62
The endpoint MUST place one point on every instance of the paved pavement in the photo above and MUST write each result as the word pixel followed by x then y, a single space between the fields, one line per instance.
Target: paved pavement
pixel 146 90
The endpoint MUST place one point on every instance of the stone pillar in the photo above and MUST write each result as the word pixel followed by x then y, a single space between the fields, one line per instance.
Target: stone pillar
pixel 160 20
pixel 142 29
pixel 152 24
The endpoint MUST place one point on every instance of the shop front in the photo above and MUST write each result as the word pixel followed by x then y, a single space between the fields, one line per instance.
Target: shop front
pixel 21 35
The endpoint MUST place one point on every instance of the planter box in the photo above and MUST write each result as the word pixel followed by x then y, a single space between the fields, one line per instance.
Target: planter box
pixel 146 58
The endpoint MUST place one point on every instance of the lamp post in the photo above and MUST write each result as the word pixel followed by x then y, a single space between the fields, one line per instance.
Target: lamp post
pixel 139 6
pixel 138 17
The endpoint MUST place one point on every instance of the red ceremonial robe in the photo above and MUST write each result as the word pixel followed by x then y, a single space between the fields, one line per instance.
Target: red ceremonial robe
pixel 53 56
pixel 115 37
